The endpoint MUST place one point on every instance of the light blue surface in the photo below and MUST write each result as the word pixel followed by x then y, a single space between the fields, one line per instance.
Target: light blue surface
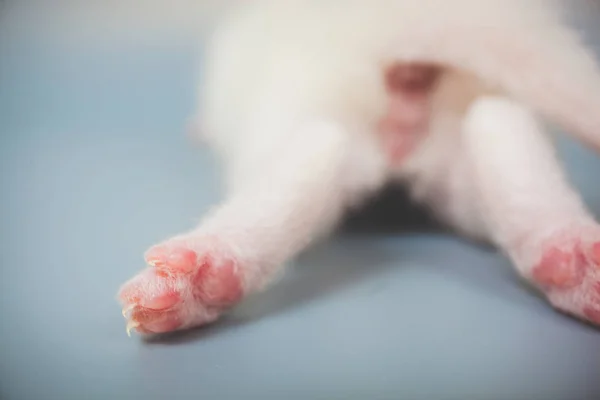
pixel 95 168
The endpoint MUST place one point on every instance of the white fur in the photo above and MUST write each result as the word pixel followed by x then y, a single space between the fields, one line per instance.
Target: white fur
pixel 275 65
pixel 292 91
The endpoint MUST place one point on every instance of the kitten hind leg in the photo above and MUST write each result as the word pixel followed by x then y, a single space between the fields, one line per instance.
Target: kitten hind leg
pixel 530 210
pixel 241 246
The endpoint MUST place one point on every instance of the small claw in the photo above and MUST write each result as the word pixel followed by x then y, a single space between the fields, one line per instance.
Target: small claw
pixel 131 325
pixel 126 310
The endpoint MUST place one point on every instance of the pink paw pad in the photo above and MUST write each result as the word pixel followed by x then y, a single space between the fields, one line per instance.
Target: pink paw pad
pixel 182 290
pixel 178 258
pixel 592 314
pixel 560 268
pixel 569 272
pixel 155 321
pixel 144 292
pixel 595 253
pixel 218 286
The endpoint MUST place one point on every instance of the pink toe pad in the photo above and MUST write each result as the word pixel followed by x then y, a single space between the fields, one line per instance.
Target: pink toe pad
pixel 561 269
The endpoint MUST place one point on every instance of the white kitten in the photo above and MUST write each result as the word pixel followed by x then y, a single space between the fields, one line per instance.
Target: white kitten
pixel 315 104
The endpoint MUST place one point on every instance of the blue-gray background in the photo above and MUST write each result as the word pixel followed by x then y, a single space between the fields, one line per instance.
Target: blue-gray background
pixel 95 167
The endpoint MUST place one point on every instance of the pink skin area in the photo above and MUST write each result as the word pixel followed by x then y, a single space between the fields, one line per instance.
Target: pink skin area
pixel 183 288
pixel 561 269
pixel 569 273
pixel 406 121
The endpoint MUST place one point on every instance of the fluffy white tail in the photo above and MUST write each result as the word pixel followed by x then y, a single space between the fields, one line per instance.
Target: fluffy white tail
pixel 550 70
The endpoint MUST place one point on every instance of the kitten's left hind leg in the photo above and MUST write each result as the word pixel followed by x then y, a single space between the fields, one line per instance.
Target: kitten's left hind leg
pixel 291 195
pixel 530 210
